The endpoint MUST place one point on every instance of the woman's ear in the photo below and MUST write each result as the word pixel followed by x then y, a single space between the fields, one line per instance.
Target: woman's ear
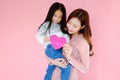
pixel 82 27
pixel 65 28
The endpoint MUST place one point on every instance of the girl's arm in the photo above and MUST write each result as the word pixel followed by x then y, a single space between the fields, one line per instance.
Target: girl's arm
pixel 42 39
pixel 42 33
pixel 83 63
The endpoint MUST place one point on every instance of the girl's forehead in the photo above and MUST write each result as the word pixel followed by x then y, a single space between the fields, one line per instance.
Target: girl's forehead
pixel 58 12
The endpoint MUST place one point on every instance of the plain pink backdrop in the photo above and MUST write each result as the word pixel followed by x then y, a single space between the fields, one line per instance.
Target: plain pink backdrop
pixel 21 56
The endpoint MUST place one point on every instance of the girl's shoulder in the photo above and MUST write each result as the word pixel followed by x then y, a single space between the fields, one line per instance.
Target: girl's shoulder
pixel 46 23
pixel 52 24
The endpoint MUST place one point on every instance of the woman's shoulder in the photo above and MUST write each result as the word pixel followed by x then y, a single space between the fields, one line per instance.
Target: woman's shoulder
pixel 79 40
pixel 83 42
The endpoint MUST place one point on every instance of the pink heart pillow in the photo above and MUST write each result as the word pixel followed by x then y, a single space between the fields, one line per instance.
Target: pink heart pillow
pixel 57 42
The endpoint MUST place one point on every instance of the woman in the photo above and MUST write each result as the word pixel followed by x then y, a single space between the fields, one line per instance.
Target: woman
pixel 78 51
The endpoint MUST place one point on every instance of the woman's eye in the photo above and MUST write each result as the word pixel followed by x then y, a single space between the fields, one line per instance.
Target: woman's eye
pixel 75 26
pixel 55 15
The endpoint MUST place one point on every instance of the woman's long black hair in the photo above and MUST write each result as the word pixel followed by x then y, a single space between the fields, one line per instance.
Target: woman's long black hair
pixel 83 17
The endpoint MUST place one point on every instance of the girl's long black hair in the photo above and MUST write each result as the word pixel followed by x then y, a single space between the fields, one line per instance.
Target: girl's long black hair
pixel 56 6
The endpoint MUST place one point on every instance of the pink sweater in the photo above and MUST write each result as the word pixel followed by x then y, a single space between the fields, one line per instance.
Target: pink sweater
pixel 79 60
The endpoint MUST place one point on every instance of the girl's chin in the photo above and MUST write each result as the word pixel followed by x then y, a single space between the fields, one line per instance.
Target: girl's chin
pixel 55 23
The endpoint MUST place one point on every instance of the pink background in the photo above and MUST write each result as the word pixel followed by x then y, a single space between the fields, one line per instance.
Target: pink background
pixel 21 56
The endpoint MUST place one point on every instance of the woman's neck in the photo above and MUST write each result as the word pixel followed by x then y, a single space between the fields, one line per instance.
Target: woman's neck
pixel 74 35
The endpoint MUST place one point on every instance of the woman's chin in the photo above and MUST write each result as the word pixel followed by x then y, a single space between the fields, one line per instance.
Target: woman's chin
pixel 70 32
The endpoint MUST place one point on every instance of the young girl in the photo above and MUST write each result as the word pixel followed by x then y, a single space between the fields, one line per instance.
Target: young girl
pixel 78 50
pixel 54 24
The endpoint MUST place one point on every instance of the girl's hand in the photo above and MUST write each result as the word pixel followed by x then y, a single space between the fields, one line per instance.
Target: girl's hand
pixel 67 50
pixel 60 62
pixel 46 39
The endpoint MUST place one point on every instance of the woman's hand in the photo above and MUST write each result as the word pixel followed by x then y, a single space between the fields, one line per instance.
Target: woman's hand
pixel 46 39
pixel 60 62
pixel 67 50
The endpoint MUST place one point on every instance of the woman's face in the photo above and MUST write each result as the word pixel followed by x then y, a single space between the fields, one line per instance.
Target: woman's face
pixel 57 17
pixel 73 26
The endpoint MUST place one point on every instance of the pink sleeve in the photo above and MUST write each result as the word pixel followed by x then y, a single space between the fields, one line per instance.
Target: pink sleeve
pixel 81 64
pixel 56 74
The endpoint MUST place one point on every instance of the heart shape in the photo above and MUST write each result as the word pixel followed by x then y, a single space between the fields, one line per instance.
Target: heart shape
pixel 57 42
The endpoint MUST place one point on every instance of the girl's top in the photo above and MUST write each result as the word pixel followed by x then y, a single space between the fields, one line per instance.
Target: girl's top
pixel 80 52
pixel 54 30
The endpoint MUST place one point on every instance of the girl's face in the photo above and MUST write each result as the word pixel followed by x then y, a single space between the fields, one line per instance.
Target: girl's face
pixel 73 26
pixel 57 17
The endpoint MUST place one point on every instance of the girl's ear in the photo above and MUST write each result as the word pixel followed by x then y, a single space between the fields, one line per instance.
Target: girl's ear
pixel 82 27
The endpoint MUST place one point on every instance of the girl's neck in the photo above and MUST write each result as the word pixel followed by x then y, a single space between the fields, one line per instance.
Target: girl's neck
pixel 54 23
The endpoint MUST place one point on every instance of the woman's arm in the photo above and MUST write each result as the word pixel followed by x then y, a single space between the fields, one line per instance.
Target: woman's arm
pixel 61 62
pixel 83 49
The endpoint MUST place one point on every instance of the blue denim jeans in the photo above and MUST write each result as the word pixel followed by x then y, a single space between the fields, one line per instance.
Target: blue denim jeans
pixel 52 53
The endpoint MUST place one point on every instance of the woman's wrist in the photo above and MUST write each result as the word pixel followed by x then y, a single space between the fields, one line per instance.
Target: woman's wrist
pixel 51 62
pixel 68 58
